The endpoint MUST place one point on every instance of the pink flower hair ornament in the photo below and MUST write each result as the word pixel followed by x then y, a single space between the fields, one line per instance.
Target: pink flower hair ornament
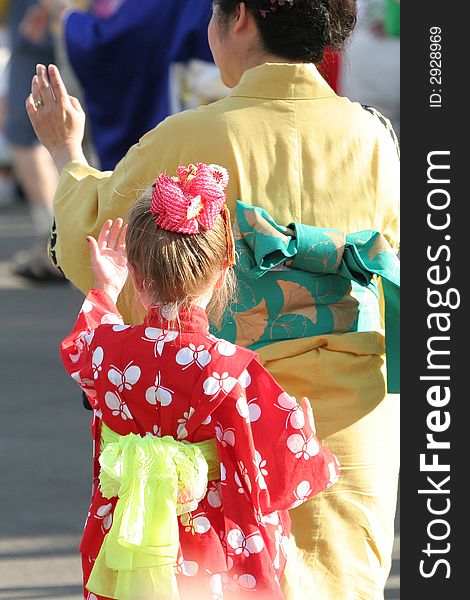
pixel 190 201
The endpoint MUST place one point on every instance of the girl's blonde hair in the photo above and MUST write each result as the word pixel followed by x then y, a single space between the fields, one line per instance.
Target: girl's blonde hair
pixel 178 268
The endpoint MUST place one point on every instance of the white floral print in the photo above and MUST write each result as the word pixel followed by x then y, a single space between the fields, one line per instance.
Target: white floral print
pixel 87 307
pixel 195 524
pixel 110 318
pixel 271 519
pixel 216 587
pixel 240 488
pixel 159 337
pixel 250 411
pixel 193 355
pixel 302 493
pixel 181 431
pixel 96 360
pixel 120 327
pixel 295 415
pixel 159 393
pixel 156 431
pixel 226 348
pixel 187 567
pixel 244 582
pixel 216 383
pixel 105 514
pixel 242 478
pixel 250 544
pixel 124 379
pixel 78 346
pixel 223 473
pixel 262 472
pixel 303 446
pixel 225 436
pixel 214 497
pixel 245 379
pixel 88 337
pixel 117 406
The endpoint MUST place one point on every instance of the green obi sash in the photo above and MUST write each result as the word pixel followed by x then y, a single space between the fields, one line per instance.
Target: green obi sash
pixel 155 480
pixel 300 281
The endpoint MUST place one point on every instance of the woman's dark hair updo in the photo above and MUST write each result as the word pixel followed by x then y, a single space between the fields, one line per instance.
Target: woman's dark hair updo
pixel 298 30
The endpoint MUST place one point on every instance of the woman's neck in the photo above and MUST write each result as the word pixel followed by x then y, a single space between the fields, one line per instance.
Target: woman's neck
pixel 261 58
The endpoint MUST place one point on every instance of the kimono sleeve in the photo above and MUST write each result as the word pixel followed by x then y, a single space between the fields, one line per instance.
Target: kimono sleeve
pixel 79 358
pixel 267 450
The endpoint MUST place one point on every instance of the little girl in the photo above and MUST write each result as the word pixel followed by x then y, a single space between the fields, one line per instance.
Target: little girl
pixel 198 451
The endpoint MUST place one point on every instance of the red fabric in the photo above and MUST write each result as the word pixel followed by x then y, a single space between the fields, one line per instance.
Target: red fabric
pixel 330 68
pixel 190 385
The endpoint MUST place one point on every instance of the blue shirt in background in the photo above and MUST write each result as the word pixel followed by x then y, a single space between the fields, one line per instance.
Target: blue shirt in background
pixel 123 65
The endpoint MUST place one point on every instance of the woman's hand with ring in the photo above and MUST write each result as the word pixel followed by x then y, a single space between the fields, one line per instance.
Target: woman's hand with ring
pixel 57 118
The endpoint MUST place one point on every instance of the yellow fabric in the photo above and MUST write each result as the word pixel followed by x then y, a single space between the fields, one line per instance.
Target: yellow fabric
pixel 343 537
pixel 296 149
pixel 289 143
pixel 155 480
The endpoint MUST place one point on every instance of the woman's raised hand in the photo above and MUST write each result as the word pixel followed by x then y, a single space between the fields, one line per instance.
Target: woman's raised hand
pixel 108 258
pixel 57 118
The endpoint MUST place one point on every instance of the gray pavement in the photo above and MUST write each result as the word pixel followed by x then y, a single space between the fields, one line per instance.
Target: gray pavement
pixel 44 440
pixel 44 436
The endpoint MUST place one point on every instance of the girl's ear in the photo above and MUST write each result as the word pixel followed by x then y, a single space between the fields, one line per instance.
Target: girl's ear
pixel 219 284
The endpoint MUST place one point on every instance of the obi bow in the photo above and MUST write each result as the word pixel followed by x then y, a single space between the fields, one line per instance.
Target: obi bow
pixel 357 257
pixel 155 480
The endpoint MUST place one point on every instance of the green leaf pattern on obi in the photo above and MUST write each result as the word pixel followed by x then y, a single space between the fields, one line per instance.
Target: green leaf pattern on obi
pixel 301 280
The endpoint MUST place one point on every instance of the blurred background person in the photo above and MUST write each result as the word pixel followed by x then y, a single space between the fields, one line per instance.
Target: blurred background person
pixel 370 69
pixel 194 84
pixel 113 38
pixel 32 165
pixel 7 182
pixel 95 42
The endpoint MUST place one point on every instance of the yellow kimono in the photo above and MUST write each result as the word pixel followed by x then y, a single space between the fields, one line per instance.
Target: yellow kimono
pixel 303 154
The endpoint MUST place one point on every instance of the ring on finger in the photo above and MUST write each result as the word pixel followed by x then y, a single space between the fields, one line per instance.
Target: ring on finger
pixel 38 103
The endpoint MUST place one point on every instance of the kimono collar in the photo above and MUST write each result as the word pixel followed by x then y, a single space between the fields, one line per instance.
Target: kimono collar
pixel 283 81
pixel 192 320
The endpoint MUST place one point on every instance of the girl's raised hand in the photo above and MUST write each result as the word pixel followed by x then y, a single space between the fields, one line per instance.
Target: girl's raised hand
pixel 108 258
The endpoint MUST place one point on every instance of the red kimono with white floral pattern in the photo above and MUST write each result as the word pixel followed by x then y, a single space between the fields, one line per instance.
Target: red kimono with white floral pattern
pixel 183 382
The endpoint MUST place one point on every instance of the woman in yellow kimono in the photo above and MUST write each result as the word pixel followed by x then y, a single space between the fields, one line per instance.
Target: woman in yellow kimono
pixel 304 162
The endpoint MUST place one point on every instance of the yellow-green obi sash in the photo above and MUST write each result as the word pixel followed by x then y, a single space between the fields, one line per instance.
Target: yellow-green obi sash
pixel 303 281
pixel 155 479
